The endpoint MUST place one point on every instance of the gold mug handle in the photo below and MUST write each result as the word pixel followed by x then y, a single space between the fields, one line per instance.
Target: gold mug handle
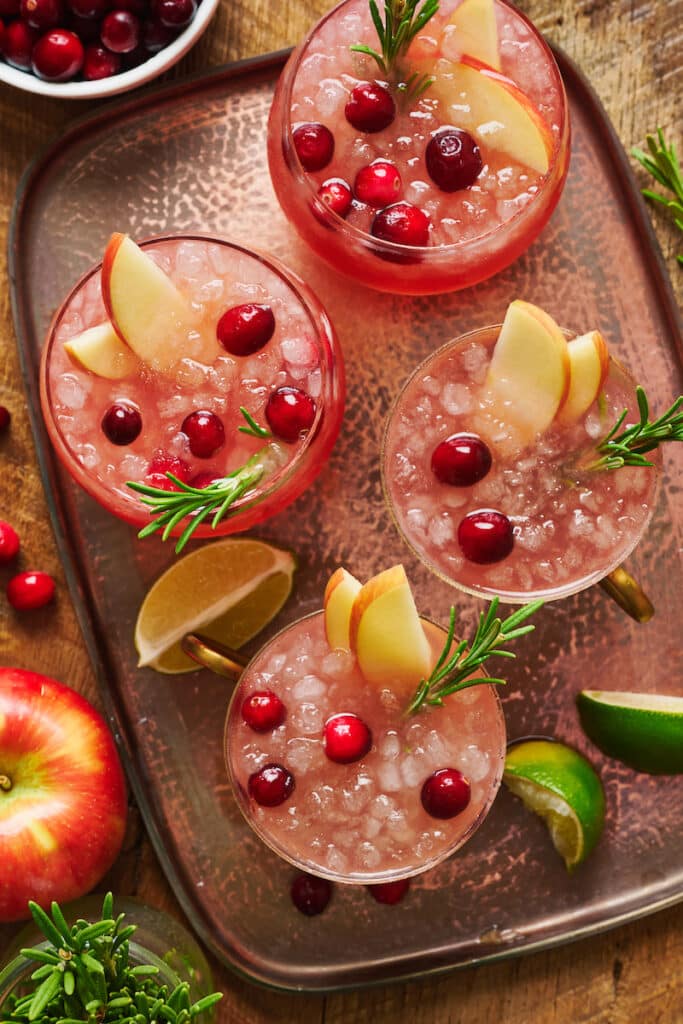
pixel 211 654
pixel 628 594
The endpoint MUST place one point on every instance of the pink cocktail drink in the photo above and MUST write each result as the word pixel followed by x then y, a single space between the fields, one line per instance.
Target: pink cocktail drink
pixel 476 200
pixel 554 525
pixel 117 414
pixel 363 821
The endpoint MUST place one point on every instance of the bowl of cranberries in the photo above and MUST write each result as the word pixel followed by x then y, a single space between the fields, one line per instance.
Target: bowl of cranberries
pixel 84 49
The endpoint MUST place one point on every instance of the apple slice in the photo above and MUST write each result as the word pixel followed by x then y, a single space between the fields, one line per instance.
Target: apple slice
pixel 529 369
pixel 340 593
pixel 494 110
pixel 387 636
pixel 100 351
pixel 148 312
pixel 588 369
pixel 472 30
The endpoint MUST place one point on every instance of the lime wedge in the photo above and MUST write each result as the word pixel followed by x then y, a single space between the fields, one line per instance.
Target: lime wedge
pixel 643 730
pixel 228 591
pixel 557 783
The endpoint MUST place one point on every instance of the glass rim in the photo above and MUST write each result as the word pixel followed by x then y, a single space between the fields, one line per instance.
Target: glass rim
pixel 357 878
pixel 424 253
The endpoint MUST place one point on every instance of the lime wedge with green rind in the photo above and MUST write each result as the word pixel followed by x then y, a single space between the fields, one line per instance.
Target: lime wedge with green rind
pixel 642 730
pixel 559 784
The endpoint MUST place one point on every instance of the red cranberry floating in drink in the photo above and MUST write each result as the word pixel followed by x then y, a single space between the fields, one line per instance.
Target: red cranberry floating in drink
pixel 310 894
pixel 100 63
pixel 371 107
pixel 245 329
pixel 271 785
pixel 204 479
pixel 9 542
pixel 445 794
pixel 5 418
pixel 174 13
pixel 122 423
pixel 57 56
pixel 17 44
pixel 401 223
pixel 205 433
pixel 485 536
pixel 289 412
pixel 42 14
pixel 163 463
pixel 120 31
pixel 378 184
pixel 263 711
pixel 461 460
pixel 314 145
pixel 390 893
pixel 30 590
pixel 346 738
pixel 337 195
pixel 453 160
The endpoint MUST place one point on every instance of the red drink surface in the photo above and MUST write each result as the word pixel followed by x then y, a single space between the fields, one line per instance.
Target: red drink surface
pixel 302 353
pixel 360 822
pixel 570 528
pixel 475 231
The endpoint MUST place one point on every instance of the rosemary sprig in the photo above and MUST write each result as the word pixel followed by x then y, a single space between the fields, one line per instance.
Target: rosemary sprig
pixel 630 447
pixel 663 165
pixel 252 427
pixel 402 22
pixel 452 669
pixel 84 976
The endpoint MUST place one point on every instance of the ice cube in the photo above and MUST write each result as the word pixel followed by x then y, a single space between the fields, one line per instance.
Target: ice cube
pixel 192 261
pixel 337 664
pixel 388 777
pixel 309 688
pixel 474 763
pixel 389 745
pixel 368 855
pixel 456 399
pixel 71 391
pixel 307 718
pixel 301 754
pixel 441 530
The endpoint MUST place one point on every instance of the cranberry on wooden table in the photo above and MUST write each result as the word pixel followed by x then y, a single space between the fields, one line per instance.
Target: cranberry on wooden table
pixel 311 894
pixel 30 590
pixel 9 542
pixel 390 893
pixel 5 418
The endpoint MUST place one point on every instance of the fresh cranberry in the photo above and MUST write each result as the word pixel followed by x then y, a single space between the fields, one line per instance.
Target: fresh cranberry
pixel 87 29
pixel 30 590
pixel 402 223
pixel 204 479
pixel 485 536
pixel 263 711
pixel 371 107
pixel 5 418
pixel 245 329
pixel 156 36
pixel 453 159
pixel 9 542
pixel 390 893
pixel 346 738
pixel 2 32
pixel 461 460
pixel 17 44
pixel 290 411
pixel 139 7
pixel 314 145
pixel 100 63
pixel 163 463
pixel 122 421
pixel 120 31
pixel 8 8
pixel 89 8
pixel 378 184
pixel 205 433
pixel 445 793
pixel 57 56
pixel 271 785
pixel 42 14
pixel 174 13
pixel 311 894
pixel 336 194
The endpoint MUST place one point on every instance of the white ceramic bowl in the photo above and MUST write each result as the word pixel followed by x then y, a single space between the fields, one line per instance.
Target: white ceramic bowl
pixel 124 81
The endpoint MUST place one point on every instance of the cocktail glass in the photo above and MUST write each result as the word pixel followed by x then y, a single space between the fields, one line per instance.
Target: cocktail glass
pixel 304 353
pixel 475 232
pixel 571 528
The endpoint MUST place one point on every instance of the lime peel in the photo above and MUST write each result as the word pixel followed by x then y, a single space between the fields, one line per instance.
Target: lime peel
pixel 642 730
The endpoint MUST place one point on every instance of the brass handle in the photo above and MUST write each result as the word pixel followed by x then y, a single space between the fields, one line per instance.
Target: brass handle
pixel 628 594
pixel 213 655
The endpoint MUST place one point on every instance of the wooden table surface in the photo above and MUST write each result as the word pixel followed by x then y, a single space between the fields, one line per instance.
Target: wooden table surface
pixel 632 51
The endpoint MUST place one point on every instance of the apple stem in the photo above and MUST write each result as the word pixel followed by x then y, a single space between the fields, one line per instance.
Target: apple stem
pixel 5 783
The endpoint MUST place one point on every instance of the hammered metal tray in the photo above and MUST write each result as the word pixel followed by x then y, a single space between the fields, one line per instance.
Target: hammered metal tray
pixel 192 157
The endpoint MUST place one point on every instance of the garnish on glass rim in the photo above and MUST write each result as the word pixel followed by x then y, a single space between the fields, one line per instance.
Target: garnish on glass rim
pixel 664 167
pixel 630 447
pixel 402 22
pixel 452 669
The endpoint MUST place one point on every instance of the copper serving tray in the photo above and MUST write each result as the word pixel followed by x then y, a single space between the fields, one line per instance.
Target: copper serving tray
pixel 192 157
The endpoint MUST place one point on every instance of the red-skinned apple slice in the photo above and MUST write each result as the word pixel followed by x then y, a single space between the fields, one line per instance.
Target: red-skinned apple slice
pixel 387 636
pixel 148 312
pixel 495 111
pixel 588 369
pixel 529 370
pixel 340 593
pixel 472 30
pixel 100 351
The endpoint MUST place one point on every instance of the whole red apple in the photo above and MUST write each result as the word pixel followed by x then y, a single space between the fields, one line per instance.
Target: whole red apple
pixel 62 793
